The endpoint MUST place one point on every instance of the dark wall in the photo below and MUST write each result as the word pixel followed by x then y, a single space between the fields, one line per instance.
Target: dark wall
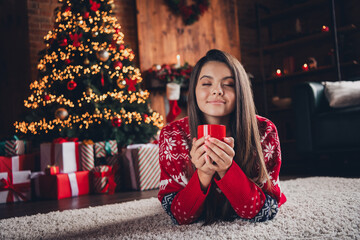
pixel 14 62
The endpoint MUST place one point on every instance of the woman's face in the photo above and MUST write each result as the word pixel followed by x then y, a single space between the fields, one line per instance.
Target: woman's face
pixel 215 92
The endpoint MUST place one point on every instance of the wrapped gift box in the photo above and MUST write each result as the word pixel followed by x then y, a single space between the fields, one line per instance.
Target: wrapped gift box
pixel 105 150
pixel 14 147
pixel 64 154
pixel 16 187
pixel 87 157
pixel 140 167
pixel 19 163
pixel 114 162
pixel 103 179
pixel 62 185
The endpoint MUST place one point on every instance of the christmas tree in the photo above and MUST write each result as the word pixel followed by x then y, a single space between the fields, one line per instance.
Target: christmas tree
pixel 87 86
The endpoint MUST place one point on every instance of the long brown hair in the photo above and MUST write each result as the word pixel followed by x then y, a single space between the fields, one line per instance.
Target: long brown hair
pixel 244 128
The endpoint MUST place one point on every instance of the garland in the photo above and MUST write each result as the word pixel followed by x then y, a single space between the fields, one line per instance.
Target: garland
pixel 189 13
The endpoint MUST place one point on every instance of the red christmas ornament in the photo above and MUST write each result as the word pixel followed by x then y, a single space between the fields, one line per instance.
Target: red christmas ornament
pixel 63 42
pixel 94 5
pixel 68 8
pixel 116 122
pixel 67 61
pixel 46 97
pixel 102 79
pixel 122 47
pixel 145 116
pixel 117 30
pixel 131 84
pixel 118 64
pixel 71 85
pixel 86 15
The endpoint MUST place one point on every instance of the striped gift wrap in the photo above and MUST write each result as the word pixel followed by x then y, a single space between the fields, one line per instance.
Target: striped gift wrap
pixel 103 179
pixel 106 148
pixel 149 168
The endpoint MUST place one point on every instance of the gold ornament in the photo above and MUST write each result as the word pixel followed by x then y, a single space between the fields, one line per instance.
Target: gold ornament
pixel 121 83
pixel 97 111
pixel 86 61
pixel 103 55
pixel 61 113
pixel 95 34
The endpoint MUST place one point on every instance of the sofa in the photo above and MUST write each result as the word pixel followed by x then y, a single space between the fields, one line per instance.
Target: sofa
pixel 321 128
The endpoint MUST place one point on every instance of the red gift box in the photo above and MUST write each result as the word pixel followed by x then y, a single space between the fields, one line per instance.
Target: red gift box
pixel 19 163
pixel 52 170
pixel 63 185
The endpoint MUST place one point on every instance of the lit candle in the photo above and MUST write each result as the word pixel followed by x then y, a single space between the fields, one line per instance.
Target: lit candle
pixel 278 72
pixel 178 60
pixel 305 67
pixel 325 28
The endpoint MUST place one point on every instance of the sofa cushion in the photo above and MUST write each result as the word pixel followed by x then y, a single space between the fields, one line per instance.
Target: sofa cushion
pixel 342 93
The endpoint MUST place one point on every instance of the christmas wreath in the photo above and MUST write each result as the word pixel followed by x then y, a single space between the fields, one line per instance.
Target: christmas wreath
pixel 189 13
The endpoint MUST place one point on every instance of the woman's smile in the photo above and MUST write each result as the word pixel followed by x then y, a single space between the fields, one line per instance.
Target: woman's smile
pixel 216 102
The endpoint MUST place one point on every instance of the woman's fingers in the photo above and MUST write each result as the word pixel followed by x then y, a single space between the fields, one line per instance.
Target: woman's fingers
pixel 196 150
pixel 230 141
pixel 221 149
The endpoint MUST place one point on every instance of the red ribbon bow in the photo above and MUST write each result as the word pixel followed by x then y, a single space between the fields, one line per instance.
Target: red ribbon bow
pixel 131 84
pixel 6 185
pixel 110 188
pixel 94 5
pixel 75 38
pixel 66 139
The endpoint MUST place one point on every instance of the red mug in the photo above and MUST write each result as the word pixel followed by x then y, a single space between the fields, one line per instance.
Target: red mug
pixel 214 130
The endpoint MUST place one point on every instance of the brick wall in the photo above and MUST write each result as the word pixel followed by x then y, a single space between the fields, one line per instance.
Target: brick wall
pixel 41 20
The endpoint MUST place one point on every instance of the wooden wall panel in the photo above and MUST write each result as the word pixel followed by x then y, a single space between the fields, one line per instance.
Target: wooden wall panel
pixel 162 35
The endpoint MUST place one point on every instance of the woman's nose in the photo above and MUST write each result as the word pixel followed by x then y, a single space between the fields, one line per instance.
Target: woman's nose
pixel 217 90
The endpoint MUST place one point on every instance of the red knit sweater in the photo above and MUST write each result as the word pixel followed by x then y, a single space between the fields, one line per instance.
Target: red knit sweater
pixel 183 198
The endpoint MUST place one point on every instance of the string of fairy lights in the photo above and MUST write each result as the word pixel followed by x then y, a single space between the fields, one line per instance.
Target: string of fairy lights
pixel 58 66
pixel 87 119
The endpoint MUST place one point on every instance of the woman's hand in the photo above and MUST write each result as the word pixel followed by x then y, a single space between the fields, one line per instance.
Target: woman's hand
pixel 221 154
pixel 202 162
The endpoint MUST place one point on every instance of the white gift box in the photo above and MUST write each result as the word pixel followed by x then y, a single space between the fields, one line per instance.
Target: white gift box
pixel 65 156
pixel 20 183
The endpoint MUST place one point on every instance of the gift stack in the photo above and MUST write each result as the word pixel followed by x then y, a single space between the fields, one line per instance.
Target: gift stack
pixel 74 168
pixel 107 170
pixel 140 167
pixel 16 164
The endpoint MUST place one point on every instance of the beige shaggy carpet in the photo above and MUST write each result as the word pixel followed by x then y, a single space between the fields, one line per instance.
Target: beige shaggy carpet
pixel 317 208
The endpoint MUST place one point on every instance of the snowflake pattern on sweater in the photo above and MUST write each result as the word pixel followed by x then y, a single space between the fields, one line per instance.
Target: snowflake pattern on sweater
pixel 183 198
